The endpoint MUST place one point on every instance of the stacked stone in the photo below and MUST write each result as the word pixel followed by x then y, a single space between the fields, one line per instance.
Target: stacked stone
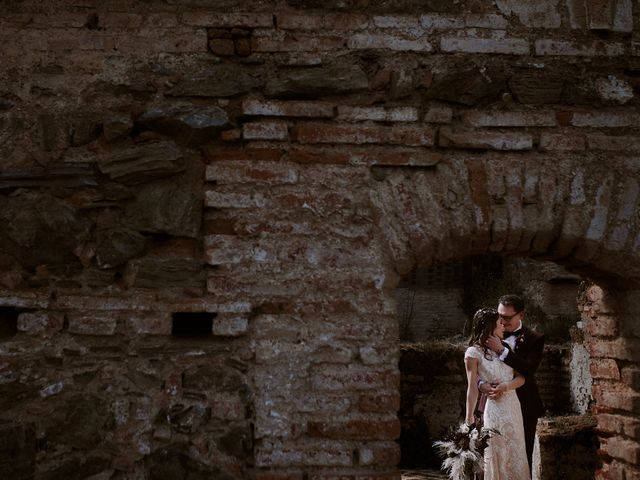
pixel 337 146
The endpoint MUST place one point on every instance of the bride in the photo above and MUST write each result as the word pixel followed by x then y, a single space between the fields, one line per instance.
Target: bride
pixel 506 457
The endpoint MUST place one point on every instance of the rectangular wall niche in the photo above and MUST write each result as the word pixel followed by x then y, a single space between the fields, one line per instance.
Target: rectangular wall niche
pixel 192 324
pixel 8 322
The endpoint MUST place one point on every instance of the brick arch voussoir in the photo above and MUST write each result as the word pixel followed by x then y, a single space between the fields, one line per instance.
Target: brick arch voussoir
pixel 567 211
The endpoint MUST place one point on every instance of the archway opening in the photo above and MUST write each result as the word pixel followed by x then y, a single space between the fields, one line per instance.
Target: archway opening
pixel 435 305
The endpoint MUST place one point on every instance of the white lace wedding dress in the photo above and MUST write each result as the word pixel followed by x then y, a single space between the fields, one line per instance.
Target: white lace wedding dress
pixel 506 456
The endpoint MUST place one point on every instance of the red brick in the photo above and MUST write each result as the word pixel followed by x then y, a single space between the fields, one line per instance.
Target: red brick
pixel 379 402
pixel 92 323
pixel 217 199
pixel 396 22
pixel 75 40
pixel 438 21
pixel 564 118
pixel 231 135
pixel 510 46
pixel 631 377
pixel 321 454
pixel 297 43
pixel 605 119
pixel 611 396
pixel 613 471
pixel 560 142
pixel 605 368
pixel 352 378
pixel 578 49
pixel 231 172
pixel 485 140
pixel 388 42
pixel 266 475
pixel 602 326
pixel 510 119
pixel 438 114
pixel 288 108
pixel 611 143
pixel 626 450
pixel 162 20
pixel 619 424
pixel 380 114
pixel 41 322
pixel 230 325
pixel 115 20
pixel 265 131
pixel 493 22
pixel 620 349
pixel 324 133
pixel 319 157
pixel 243 46
pixel 226 406
pixel 222 46
pixel 250 20
pixel 150 323
pixel 356 429
pixel 608 423
pixel 329 21
pixel 215 153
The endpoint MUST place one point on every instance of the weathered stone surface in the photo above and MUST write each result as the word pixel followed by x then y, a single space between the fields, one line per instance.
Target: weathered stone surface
pixel 34 323
pixel 76 468
pixel 137 164
pixel 467 85
pixel 214 377
pixel 83 129
pixel 218 81
pixel 614 90
pixel 318 82
pixel 116 127
pixel 66 177
pixel 185 121
pixel 40 229
pixel 162 208
pixel 537 87
pixel 539 14
pixel 116 245
pixel 154 271
pixel 174 462
pixel 85 422
pixel 17 450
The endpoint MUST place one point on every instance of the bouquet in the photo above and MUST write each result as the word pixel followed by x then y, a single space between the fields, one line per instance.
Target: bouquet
pixel 463 450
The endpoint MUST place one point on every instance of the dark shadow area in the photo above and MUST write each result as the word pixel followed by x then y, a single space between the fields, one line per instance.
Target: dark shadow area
pixel 192 324
pixel 8 322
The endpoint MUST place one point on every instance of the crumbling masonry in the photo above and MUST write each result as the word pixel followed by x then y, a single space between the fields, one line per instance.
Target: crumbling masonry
pixel 206 205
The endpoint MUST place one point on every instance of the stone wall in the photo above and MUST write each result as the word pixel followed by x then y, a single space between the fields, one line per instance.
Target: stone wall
pixel 208 204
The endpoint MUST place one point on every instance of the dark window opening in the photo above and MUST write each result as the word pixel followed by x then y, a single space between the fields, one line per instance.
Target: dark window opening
pixel 8 322
pixel 192 324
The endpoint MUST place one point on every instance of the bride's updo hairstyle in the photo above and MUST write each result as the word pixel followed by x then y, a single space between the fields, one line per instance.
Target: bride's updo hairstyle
pixel 484 323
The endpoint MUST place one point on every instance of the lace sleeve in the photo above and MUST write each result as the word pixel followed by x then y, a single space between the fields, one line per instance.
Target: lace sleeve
pixel 473 352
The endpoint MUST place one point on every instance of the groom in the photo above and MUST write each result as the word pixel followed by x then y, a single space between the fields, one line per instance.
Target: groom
pixel 522 350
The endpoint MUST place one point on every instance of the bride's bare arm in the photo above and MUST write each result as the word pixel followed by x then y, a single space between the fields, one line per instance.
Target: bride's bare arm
pixel 518 381
pixel 471 366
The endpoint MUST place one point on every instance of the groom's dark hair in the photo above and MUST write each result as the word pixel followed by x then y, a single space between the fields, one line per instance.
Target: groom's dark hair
pixel 514 301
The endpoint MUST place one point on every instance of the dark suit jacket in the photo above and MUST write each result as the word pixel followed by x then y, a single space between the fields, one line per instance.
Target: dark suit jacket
pixel 525 358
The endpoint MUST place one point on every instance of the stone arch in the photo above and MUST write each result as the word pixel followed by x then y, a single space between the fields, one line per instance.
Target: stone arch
pixel 578 213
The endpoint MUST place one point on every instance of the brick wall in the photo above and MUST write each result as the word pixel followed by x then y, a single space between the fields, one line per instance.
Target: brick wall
pixel 207 207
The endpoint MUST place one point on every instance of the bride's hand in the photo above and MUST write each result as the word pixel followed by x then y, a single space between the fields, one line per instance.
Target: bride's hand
pixel 497 390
